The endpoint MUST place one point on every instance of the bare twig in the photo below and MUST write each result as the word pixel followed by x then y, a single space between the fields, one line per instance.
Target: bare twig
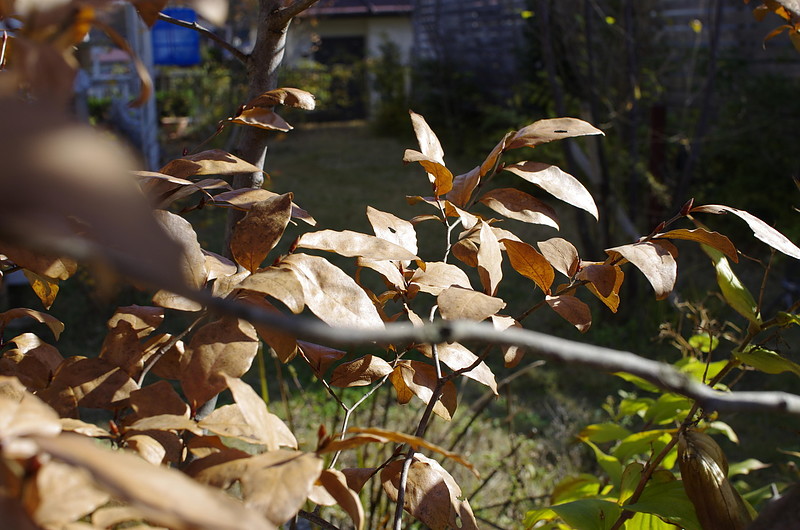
pixel 286 14
pixel 165 348
pixel 236 52
pixel 317 520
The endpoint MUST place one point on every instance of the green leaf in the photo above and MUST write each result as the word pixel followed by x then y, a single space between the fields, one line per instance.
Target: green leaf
pixel 724 429
pixel 588 514
pixel 635 407
pixel 641 443
pixel 647 521
pixel 610 464
pixel 786 319
pixel 667 500
pixel 604 432
pixel 576 487
pixel 630 479
pixel 767 361
pixel 734 292
pixel 638 381
pixel 696 369
pixel 534 516
pixel 745 467
pixel 667 408
pixel 704 343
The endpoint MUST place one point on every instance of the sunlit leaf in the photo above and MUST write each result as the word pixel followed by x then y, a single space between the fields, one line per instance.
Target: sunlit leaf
pixel 561 254
pixel 61 494
pixel 361 372
pixel 438 174
pixel 335 483
pixel 557 183
pixel 518 205
pixel 588 514
pixel 463 186
pixel 420 378
pixel 55 325
pixel 733 290
pixel 245 198
pixel 393 229
pixel 456 303
pixel 571 309
pixel 429 144
pixel 457 357
pixel 527 261
pixel 260 230
pixel 712 239
pixel 667 500
pixel 263 118
pixel 544 131
pixel 56 268
pixel 350 244
pixel 438 276
pixel 279 283
pixel 767 361
pixel 267 427
pixel 512 355
pixel 760 229
pixel 32 361
pixel 165 496
pixel 432 494
pixel 331 294
pixel 604 432
pixel 490 260
pixel 656 263
pixel 290 97
pixel 213 162
pixel 226 346
pixel 94 383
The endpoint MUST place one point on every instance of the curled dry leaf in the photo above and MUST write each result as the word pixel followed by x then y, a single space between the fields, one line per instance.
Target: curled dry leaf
pixel 544 131
pixel 557 183
pixel 44 288
pixel 331 294
pixel 361 372
pixel 602 277
pixel 263 118
pixel 654 261
pixel 441 178
pixel 516 204
pixel 512 355
pixel 164 496
pixel 388 270
pixel 393 229
pixel 213 162
pixel 490 259
pixel 561 254
pixel 245 198
pixel 279 283
pixel 260 230
pixel 218 266
pixel 319 357
pixel 457 357
pixel 419 378
pixel 226 346
pixel 428 142
pixel 55 268
pixel 267 427
pixel 704 471
pixel 192 264
pixel 463 186
pixel 432 495
pixel 81 427
pixel 571 309
pixel 61 494
pixel 350 244
pixel 760 229
pixel 23 415
pixel 700 235
pixel 527 261
pixel 163 190
pixel 611 300
pixel 290 97
pixel 55 325
pixel 457 303
pixel 335 482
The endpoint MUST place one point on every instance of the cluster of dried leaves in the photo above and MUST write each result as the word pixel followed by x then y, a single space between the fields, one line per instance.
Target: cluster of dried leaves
pixel 68 193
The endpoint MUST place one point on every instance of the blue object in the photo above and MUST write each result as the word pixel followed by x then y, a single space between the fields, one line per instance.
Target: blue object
pixel 175 45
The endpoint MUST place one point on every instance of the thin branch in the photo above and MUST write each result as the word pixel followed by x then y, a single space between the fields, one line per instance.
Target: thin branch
pixel 317 520
pixel 401 489
pixel 236 52
pixel 166 347
pixel 286 14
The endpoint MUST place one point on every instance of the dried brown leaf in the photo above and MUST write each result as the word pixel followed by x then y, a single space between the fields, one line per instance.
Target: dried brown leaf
pixel 164 496
pixel 166 422
pixel 267 427
pixel 557 183
pixel 56 268
pixel 393 229
pixel 218 266
pixel 33 362
pixel 260 230
pixel 94 383
pixel 561 254
pixel 55 325
pixel 420 378
pixel 438 276
pixel 457 302
pixel 527 261
pixel 291 97
pixel 654 261
pixel 351 244
pixel 155 399
pixel 357 477
pixel 263 118
pixel 23 415
pixel 512 355
pixel 516 204
pixel 544 131
pixel 490 260
pixel 571 309
pixel 463 186
pixel 457 357
pixel 331 294
pixel 226 346
pixel 81 427
pixel 245 198
pixel 319 357
pixel 388 270
pixel 193 263
pixel 432 495
pixel 213 162
pixel 602 277
pixel 61 494
pixel 361 372
pixel 440 177
pixel 279 283
pixel 335 482
pixel 428 142
pixel 760 229
pixel 700 235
